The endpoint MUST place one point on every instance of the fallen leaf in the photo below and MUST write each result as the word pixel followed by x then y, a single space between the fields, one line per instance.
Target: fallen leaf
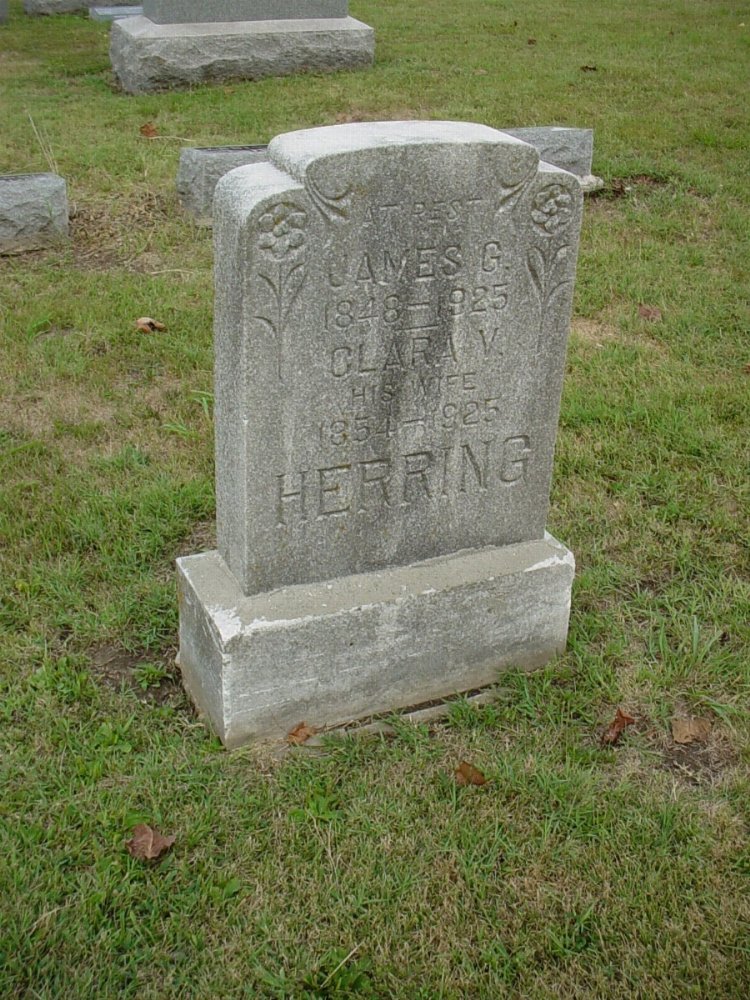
pixel 531 41
pixel 588 69
pixel 149 130
pixel 147 844
pixel 147 325
pixel 467 774
pixel 481 72
pixel 651 313
pixel 746 369
pixel 690 730
pixel 620 722
pixel 301 733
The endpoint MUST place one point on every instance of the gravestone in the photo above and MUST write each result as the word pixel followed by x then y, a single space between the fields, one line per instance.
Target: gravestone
pixel 64 6
pixel 3 11
pixel 113 13
pixel 392 311
pixel 33 211
pixel 569 148
pixel 201 169
pixel 182 42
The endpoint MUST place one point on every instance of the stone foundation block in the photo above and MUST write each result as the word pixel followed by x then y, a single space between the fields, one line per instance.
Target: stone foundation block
pixel 330 653
pixel 33 211
pixel 201 169
pixel 147 56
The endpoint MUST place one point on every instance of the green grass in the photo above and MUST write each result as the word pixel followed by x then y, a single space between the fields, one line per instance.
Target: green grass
pixel 577 871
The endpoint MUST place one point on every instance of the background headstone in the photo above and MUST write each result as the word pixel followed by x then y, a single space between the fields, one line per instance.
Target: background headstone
pixel 195 11
pixel 392 309
pixel 162 50
pixel 202 168
pixel 569 148
pixel 113 13
pixel 33 211
pixel 3 11
pixel 64 6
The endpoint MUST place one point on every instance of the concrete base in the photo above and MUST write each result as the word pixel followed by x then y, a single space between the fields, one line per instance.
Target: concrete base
pixel 33 211
pixel 330 653
pixel 147 56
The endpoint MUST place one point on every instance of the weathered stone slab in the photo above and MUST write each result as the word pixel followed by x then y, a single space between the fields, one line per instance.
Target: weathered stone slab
pixel 3 11
pixel 114 13
pixel 64 6
pixel 201 169
pixel 33 211
pixel 195 11
pixel 569 148
pixel 332 652
pixel 392 311
pixel 147 56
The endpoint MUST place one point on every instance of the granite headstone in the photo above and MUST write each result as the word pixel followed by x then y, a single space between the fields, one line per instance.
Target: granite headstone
pixel 392 310
pixel 235 39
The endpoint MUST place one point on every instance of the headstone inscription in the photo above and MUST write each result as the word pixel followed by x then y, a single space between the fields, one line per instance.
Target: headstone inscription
pixel 182 42
pixel 392 310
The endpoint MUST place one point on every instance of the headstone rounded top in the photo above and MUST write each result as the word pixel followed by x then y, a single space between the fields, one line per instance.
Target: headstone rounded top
pixel 295 151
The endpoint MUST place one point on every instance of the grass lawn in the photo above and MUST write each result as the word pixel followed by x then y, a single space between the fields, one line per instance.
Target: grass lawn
pixel 578 870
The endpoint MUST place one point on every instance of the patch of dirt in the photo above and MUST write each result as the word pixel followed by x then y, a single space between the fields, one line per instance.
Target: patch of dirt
pixel 593 331
pixel 623 187
pixel 115 668
pixel 698 763
pixel 36 414
pixel 202 538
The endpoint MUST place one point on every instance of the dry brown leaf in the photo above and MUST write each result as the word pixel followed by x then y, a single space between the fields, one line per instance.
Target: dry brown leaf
pixel 467 774
pixel 690 730
pixel 531 41
pixel 147 325
pixel 651 313
pixel 149 130
pixel 301 733
pixel 746 369
pixel 620 722
pixel 147 844
pixel 589 69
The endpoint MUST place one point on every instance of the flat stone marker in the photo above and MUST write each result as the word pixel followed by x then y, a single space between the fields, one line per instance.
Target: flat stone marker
pixel 113 13
pixel 201 169
pixel 3 11
pixel 181 42
pixel 64 6
pixel 392 311
pixel 33 211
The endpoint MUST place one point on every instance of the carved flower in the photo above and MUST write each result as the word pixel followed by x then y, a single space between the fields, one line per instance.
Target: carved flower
pixel 282 229
pixel 552 208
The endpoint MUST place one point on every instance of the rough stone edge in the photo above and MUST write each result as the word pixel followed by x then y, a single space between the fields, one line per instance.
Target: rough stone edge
pixel 147 57
pixel 44 190
pixel 221 629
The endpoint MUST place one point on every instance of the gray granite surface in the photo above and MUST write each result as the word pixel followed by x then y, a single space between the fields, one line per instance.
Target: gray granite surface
pixel 331 652
pixel 194 11
pixel 64 6
pixel 200 170
pixel 113 13
pixel 147 56
pixel 392 311
pixel 33 211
